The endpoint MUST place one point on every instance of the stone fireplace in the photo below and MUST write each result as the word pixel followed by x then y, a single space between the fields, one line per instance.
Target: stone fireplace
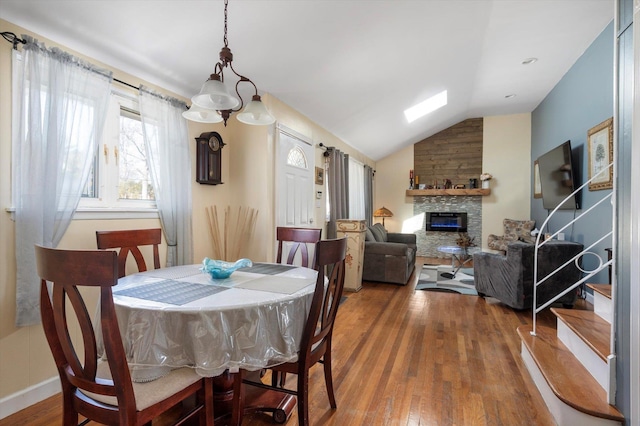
pixel 428 241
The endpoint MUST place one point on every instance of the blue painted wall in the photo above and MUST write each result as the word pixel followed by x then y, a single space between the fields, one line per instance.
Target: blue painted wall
pixel 581 100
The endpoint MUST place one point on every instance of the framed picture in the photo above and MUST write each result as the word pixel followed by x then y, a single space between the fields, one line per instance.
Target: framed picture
pixel 319 176
pixel 600 146
pixel 537 187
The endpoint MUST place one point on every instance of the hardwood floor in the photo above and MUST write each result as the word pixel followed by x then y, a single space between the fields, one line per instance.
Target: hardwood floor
pixel 409 357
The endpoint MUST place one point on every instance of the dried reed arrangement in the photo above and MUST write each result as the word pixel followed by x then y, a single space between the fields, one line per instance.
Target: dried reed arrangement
pixel 228 242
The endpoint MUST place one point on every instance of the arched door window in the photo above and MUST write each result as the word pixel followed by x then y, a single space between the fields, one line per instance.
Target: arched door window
pixel 296 158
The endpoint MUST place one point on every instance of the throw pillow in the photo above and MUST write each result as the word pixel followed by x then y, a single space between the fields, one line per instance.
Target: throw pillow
pixel 518 228
pixel 379 233
pixel 368 235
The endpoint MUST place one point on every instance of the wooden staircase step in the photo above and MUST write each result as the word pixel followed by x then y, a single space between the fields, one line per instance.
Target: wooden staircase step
pixel 565 375
pixel 590 327
pixel 603 289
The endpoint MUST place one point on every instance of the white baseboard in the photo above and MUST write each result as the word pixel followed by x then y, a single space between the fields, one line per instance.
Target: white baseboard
pixel 33 394
pixel 590 297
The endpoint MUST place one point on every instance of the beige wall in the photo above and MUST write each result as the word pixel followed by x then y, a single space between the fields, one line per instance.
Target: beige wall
pixel 392 180
pixel 506 155
pixel 248 162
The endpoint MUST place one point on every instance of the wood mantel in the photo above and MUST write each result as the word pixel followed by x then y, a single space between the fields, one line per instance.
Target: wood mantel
pixel 451 192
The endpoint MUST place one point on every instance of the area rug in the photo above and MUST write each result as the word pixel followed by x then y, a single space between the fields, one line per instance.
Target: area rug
pixel 434 278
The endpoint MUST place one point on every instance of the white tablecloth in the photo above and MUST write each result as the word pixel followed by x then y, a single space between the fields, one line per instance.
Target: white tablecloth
pixel 250 328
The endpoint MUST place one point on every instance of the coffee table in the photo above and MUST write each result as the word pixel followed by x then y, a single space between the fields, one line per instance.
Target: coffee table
pixel 458 254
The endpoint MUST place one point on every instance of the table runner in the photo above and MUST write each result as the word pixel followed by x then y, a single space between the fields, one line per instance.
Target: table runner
pixel 268 268
pixel 171 291
pixel 280 284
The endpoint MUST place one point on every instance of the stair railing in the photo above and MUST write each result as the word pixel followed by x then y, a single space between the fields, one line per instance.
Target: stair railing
pixel 589 273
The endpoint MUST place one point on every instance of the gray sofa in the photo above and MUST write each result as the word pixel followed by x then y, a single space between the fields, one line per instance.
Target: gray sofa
pixel 388 257
pixel 509 277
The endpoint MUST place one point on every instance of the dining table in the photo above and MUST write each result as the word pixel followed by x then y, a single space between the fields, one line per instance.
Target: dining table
pixel 181 317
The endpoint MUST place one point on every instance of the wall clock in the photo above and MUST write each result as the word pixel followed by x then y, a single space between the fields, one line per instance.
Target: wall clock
pixel 209 158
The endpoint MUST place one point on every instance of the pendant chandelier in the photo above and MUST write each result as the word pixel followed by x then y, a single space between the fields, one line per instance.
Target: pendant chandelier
pixel 215 103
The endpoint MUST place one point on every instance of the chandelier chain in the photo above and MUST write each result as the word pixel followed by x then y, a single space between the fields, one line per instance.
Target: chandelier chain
pixel 226 41
pixel 214 96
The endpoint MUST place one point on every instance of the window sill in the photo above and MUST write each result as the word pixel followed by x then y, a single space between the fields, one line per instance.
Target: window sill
pixel 87 213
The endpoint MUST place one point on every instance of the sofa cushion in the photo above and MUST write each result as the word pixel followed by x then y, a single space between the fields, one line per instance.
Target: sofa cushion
pixel 368 235
pixel 379 233
pixel 392 260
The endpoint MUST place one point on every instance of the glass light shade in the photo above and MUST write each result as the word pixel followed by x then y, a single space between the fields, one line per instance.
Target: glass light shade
pixel 214 95
pixel 202 115
pixel 256 113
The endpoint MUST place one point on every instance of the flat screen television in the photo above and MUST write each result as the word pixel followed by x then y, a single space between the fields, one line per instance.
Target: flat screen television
pixel 557 178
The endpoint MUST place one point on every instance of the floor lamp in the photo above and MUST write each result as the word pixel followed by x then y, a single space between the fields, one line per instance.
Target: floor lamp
pixel 382 212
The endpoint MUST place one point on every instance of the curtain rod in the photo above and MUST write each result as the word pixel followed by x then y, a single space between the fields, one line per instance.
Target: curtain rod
pixel 12 38
pixel 15 40
pixel 125 83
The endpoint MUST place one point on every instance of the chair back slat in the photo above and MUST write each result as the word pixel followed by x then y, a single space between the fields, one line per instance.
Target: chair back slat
pixel 129 242
pixel 299 239
pixel 330 263
pixel 67 271
pixel 110 398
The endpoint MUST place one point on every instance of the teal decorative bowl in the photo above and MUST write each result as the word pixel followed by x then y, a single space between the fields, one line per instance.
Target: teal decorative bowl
pixel 219 269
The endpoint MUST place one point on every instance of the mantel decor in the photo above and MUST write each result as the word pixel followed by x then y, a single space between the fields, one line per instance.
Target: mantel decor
pixel 209 158
pixel 451 192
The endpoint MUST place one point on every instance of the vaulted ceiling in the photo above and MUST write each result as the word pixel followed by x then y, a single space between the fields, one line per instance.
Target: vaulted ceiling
pixel 352 66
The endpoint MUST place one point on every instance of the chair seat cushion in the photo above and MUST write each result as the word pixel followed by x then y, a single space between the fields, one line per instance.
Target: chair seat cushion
pixel 149 393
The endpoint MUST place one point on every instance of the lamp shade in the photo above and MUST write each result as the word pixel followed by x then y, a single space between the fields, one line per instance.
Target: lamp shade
pixel 201 115
pixel 214 95
pixel 382 212
pixel 255 113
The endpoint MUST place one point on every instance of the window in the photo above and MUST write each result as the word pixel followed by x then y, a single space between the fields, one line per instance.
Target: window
pixel 133 173
pixel 296 158
pixel 120 179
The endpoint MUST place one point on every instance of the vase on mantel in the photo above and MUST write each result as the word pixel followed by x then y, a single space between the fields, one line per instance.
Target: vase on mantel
pixel 485 184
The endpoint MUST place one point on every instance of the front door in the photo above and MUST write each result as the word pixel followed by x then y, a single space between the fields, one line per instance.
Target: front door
pixel 294 177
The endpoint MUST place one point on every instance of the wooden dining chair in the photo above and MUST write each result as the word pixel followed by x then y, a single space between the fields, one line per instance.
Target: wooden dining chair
pixel 129 241
pixel 315 345
pixel 102 390
pixel 299 239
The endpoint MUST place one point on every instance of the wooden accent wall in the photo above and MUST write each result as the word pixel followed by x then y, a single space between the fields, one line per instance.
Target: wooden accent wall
pixel 454 153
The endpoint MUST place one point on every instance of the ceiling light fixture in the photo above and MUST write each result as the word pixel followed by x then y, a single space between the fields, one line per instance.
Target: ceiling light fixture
pixel 214 103
pixel 529 61
pixel 425 107
pixel 509 96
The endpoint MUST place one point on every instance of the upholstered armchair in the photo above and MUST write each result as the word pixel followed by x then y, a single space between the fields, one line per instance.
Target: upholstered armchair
pixel 514 230
pixel 509 278
pixel 388 256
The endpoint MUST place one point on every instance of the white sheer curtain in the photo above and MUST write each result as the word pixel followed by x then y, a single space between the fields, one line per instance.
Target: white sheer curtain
pixel 167 141
pixel 59 109
pixel 356 189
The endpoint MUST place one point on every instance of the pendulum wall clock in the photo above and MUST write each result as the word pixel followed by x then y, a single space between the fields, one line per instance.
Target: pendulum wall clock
pixel 209 158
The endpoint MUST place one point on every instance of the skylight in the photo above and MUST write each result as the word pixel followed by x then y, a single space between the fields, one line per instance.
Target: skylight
pixel 425 107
